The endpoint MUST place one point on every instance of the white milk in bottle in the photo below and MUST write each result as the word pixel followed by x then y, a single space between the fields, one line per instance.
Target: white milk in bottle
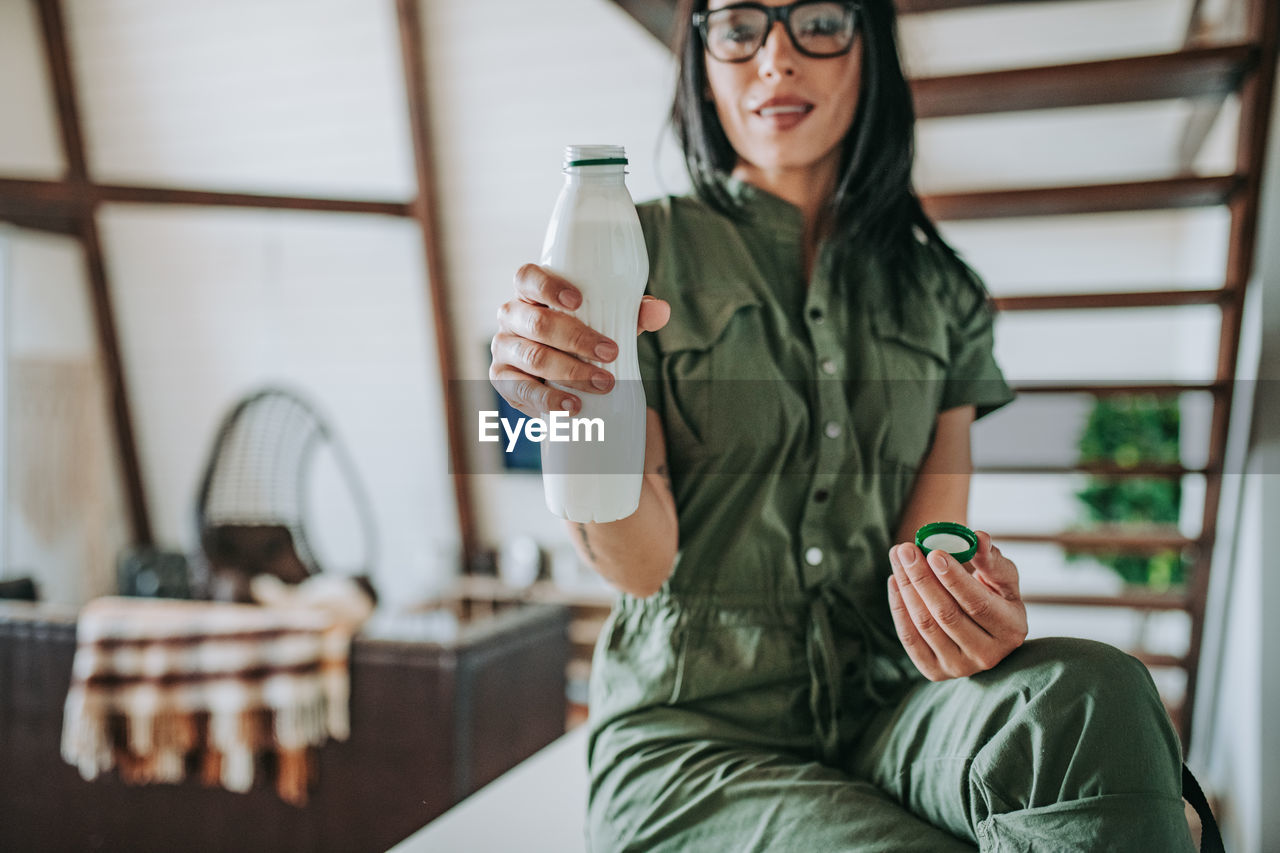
pixel 594 241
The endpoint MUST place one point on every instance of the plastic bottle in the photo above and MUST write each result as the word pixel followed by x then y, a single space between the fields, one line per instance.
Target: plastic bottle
pixel 594 241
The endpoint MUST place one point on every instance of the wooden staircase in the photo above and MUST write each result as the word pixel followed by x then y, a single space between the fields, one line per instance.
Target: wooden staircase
pixel 1208 74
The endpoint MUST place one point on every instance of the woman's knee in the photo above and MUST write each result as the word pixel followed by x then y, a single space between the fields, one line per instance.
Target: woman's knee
pixel 1071 673
pixel 1097 701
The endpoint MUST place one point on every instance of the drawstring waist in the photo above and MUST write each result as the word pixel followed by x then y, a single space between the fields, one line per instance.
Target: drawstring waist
pixel 840 638
pixel 824 678
pixel 826 675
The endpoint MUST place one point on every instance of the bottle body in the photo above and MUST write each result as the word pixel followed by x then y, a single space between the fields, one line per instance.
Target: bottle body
pixel 594 241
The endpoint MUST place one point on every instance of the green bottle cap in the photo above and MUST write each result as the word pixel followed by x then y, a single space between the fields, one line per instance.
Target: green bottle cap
pixel 956 539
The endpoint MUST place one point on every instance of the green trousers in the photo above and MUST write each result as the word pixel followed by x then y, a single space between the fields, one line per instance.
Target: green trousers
pixel 1064 746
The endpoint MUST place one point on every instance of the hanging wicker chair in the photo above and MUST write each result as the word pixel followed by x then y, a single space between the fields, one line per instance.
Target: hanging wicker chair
pixel 251 511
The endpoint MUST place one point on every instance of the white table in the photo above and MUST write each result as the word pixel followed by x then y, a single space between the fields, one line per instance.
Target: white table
pixel 539 806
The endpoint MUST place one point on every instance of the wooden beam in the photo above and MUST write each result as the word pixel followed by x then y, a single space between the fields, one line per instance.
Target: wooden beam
pixel 1251 145
pixel 60 72
pixel 1129 299
pixel 1157 660
pixel 1117 539
pixel 117 392
pixel 426 211
pixel 1098 198
pixel 915 7
pixel 1149 469
pixel 55 45
pixel 207 198
pixel 78 198
pixel 51 206
pixel 1104 389
pixel 1137 599
pixel 1191 73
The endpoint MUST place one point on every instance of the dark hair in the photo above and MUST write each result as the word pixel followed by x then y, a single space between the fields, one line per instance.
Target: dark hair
pixel 874 204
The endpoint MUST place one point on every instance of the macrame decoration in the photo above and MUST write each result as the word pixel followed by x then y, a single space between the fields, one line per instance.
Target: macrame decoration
pixel 251 512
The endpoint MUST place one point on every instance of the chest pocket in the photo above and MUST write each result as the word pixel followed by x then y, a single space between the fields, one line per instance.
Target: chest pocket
pixel 914 355
pixel 728 406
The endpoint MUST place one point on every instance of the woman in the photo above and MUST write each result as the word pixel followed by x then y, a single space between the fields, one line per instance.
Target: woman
pixel 814 355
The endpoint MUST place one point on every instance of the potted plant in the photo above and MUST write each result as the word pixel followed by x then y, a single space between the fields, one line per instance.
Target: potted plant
pixel 1128 432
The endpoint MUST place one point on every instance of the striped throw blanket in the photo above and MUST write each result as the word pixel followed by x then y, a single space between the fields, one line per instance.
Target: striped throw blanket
pixel 160 687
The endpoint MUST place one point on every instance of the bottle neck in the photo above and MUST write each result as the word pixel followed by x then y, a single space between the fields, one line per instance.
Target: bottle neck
pixel 596 175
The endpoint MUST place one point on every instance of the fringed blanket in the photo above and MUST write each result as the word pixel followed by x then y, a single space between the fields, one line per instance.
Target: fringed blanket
pixel 160 687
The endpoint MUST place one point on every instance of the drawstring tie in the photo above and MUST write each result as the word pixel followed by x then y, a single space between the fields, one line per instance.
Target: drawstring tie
pixel 824 677
pixel 825 670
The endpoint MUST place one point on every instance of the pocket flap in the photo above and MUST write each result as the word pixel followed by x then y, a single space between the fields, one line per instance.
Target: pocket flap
pixel 919 330
pixel 696 324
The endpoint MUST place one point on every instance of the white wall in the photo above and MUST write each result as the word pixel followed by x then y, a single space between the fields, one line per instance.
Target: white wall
pixel 295 97
pixel 29 145
pixel 64 515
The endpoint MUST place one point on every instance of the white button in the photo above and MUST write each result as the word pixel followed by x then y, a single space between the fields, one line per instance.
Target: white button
pixel 828 366
pixel 813 556
pixel 832 429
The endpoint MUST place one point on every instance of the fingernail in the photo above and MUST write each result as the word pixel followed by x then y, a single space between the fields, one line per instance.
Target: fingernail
pixel 606 351
pixel 569 299
pixel 601 380
pixel 569 405
pixel 907 555
pixel 940 564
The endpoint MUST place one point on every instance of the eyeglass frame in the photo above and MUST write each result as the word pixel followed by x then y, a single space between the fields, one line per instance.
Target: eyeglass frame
pixel 774 14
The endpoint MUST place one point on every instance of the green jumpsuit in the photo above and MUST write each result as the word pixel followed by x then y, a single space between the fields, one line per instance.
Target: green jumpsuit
pixel 761 700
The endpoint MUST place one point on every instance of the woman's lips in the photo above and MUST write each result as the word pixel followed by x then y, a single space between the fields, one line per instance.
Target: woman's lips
pixel 783 114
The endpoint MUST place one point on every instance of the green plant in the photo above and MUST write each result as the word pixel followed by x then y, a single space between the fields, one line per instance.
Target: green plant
pixel 1127 432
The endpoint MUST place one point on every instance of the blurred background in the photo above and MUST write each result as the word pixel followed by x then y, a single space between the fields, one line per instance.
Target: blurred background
pixel 202 200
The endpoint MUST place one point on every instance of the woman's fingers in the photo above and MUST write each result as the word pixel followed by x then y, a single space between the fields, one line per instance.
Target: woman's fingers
pixel 529 394
pixel 530 317
pixel 949 655
pixel 998 620
pixel 654 314
pixel 538 342
pixel 917 649
pixel 965 626
pixel 555 329
pixel 994 569
pixel 539 287
pixel 548 363
pixel 962 607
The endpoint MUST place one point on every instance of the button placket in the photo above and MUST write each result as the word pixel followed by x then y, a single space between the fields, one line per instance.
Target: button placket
pixel 828 402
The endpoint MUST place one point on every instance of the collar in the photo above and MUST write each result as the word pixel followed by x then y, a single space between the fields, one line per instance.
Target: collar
pixel 763 209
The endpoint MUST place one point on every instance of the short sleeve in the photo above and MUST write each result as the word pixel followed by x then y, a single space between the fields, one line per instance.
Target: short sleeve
pixel 973 377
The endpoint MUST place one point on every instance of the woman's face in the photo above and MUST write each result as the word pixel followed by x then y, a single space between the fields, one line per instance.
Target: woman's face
pixel 783 110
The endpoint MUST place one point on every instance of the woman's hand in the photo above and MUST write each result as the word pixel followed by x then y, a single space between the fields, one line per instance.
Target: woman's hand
pixel 953 623
pixel 536 342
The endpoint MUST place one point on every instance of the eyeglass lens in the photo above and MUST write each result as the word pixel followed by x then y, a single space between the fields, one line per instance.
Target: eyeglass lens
pixel 735 33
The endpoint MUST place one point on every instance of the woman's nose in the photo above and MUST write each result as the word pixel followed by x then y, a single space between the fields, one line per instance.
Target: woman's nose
pixel 777 56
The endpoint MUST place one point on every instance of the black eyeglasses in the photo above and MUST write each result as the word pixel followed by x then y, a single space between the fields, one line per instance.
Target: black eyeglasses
pixel 817 28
